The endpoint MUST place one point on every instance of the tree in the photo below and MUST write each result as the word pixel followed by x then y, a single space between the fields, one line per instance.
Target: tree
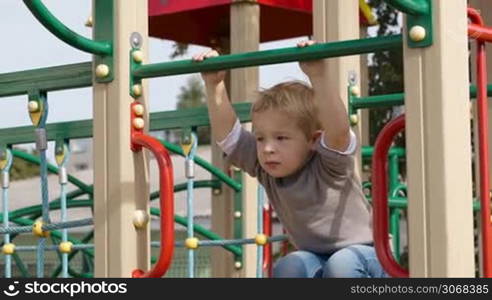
pixel 22 169
pixel 191 96
pixel 385 68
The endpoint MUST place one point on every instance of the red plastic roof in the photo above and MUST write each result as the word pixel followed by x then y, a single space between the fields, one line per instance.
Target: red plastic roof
pixel 206 22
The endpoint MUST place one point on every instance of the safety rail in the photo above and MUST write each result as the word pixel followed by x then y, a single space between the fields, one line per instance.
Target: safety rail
pixel 140 140
pixel 483 135
pixel 268 57
pixel 380 197
pixel 70 37
pixel 411 7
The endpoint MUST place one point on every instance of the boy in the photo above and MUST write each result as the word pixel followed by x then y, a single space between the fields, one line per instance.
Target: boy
pixel 301 151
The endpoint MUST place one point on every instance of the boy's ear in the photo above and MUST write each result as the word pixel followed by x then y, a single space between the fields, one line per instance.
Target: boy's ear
pixel 316 135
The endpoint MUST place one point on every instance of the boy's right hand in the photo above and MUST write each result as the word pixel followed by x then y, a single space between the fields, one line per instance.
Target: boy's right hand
pixel 211 78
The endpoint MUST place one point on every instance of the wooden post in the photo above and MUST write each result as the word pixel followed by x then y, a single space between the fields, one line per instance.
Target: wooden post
pixel 438 148
pixel 244 37
pixel 120 177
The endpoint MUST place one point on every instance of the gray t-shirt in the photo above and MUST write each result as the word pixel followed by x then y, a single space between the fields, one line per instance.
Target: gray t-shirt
pixel 321 206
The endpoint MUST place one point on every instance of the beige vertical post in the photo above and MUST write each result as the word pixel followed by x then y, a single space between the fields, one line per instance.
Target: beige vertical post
pixel 338 20
pixel 438 148
pixel 365 138
pixel 120 177
pixel 485 9
pixel 244 37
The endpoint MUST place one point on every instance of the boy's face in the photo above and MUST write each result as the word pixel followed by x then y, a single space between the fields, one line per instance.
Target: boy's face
pixel 282 147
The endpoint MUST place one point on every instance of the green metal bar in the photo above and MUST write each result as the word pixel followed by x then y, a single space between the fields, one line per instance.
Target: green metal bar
pixel 62 32
pixel 192 117
pixel 397 99
pixel 395 232
pixel 378 101
pixel 367 151
pixel 394 171
pixel 83 129
pixel 268 57
pixel 473 91
pixel 411 7
pixel 46 79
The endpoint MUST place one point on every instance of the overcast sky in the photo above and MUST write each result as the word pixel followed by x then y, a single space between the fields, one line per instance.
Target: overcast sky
pixel 26 44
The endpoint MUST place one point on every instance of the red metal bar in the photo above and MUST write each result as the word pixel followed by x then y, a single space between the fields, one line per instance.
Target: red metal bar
pixel 483 143
pixel 267 249
pixel 166 186
pixel 380 197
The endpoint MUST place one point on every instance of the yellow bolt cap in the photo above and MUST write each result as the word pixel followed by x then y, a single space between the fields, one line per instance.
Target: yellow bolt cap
pixel 354 119
pixel 140 219
pixel 417 33
pixel 138 123
pixel 102 71
pixel 261 239
pixel 238 265
pixel 138 110
pixel 33 106
pixel 355 91
pixel 138 56
pixel 37 229
pixel 89 22
pixel 8 249
pixel 191 243
pixel 65 247
pixel 237 214
pixel 137 90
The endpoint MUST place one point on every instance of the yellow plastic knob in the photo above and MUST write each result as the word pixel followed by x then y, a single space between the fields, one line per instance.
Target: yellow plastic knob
pixel 140 219
pixel 65 247
pixel 37 229
pixel 354 119
pixel 102 71
pixel 138 110
pixel 33 106
pixel 137 90
pixel 138 56
pixel 191 243
pixel 355 91
pixel 8 249
pixel 138 123
pixel 417 33
pixel 261 239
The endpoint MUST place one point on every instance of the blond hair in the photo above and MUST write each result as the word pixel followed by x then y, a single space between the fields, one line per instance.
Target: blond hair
pixel 296 99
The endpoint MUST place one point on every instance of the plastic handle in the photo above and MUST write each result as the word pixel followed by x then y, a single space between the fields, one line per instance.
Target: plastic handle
pixel 380 197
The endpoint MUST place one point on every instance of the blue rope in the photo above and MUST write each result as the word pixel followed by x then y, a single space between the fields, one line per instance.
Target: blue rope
pixel 48 227
pixel 41 145
pixel 63 202
pixel 259 249
pixel 189 166
pixel 5 207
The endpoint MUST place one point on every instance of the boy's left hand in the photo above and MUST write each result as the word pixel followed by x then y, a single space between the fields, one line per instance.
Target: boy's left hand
pixel 312 68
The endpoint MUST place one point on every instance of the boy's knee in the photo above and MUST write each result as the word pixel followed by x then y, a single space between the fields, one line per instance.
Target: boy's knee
pixel 353 261
pixel 298 264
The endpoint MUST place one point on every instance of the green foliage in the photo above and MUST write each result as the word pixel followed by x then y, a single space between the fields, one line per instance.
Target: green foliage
pixel 179 49
pixel 193 95
pixel 22 169
pixel 385 68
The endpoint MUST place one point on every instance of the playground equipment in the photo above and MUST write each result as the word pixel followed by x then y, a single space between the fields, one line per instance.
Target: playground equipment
pixel 119 86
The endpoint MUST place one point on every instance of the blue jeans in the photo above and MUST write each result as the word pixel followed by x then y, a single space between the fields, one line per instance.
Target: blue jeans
pixel 355 261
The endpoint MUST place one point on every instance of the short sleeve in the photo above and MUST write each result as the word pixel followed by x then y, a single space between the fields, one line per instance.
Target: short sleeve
pixel 243 154
pixel 337 163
